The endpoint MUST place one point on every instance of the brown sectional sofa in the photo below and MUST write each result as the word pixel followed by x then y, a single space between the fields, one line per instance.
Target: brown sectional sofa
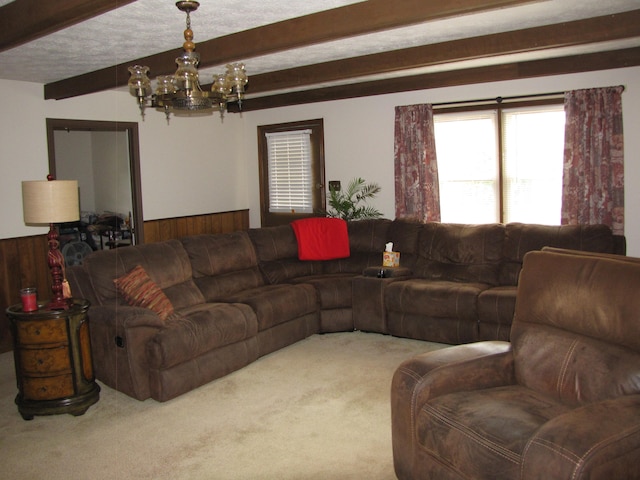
pixel 242 295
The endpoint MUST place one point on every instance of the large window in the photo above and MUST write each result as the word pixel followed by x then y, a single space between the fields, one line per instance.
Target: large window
pixel 501 165
pixel 291 171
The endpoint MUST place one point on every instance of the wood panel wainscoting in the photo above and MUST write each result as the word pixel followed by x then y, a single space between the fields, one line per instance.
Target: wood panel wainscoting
pixel 23 260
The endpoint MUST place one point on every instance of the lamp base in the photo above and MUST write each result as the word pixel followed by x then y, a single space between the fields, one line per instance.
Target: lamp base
pixel 56 265
pixel 58 304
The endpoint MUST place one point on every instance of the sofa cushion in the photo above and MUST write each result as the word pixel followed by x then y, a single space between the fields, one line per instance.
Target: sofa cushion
pixel 434 298
pixel 140 291
pixel 277 304
pixel 196 330
pixel 368 235
pixel 461 253
pixel 274 243
pixel 166 263
pixel 223 264
pixel 367 239
pixel 467 429
pixel 277 251
pixel 522 238
pixel 334 290
pixel 405 234
pixel 321 238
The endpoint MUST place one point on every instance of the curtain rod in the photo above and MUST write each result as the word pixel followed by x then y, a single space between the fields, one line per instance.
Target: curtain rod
pixel 500 100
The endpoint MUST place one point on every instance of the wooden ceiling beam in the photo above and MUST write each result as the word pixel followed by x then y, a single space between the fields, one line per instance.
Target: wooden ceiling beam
pixel 512 71
pixel 22 21
pixel 579 32
pixel 350 20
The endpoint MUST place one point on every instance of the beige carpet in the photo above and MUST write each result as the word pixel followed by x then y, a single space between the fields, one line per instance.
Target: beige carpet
pixel 318 409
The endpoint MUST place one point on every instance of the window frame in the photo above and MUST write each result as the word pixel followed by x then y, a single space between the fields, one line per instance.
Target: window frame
pixel 316 126
pixel 499 107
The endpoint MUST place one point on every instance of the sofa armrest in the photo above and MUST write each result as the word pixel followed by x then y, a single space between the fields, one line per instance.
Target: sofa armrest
pixel 598 441
pixel 119 337
pixel 462 367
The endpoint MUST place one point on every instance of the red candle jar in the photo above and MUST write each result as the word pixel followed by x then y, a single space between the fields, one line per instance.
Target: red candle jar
pixel 28 297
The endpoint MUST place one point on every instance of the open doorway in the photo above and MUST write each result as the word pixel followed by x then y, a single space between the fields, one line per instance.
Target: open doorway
pixel 104 157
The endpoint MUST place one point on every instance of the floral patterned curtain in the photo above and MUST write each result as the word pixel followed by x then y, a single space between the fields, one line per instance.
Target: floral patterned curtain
pixel 593 180
pixel 416 168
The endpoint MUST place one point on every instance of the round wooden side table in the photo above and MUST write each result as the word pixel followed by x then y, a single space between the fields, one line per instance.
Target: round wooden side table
pixel 52 352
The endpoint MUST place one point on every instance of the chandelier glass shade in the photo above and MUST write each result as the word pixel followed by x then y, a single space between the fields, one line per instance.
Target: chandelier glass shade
pixel 181 92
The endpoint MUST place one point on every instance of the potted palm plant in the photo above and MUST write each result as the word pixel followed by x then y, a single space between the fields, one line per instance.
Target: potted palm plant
pixel 350 204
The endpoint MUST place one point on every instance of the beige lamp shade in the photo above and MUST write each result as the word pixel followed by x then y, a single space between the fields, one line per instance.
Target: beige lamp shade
pixel 50 201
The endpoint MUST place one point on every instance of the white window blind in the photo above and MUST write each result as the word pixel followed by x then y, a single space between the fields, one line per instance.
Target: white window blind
pixel 290 180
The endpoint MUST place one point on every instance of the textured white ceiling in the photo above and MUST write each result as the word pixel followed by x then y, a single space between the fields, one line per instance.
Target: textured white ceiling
pixel 146 27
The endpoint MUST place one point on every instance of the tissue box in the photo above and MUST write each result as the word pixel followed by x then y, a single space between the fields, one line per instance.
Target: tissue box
pixel 390 259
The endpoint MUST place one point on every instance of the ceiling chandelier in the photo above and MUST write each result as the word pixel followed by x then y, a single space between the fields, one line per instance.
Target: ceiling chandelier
pixel 181 93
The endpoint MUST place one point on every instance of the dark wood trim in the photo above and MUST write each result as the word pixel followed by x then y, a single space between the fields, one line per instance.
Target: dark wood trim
pixel 513 71
pixel 131 128
pixel 23 263
pixel 581 32
pixel 269 219
pixel 350 20
pixel 25 20
pixel 177 227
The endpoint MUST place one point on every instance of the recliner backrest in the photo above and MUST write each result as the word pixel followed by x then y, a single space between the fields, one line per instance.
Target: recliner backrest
pixel 223 263
pixel 576 329
pixel 522 238
pixel 166 263
pixel 462 253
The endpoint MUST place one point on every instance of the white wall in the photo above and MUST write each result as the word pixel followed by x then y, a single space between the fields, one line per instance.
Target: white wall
pixel 189 167
pixel 201 165
pixel 359 133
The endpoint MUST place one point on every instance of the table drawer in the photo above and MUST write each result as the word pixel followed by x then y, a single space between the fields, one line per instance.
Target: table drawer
pixel 42 331
pixel 47 388
pixel 45 360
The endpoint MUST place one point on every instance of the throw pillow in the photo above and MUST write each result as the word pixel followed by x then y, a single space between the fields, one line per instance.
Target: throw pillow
pixel 140 291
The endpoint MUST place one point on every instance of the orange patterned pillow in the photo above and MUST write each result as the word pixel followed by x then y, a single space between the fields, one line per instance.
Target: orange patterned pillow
pixel 140 291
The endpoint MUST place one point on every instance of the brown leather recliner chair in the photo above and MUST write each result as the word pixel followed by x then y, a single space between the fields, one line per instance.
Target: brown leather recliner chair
pixel 561 401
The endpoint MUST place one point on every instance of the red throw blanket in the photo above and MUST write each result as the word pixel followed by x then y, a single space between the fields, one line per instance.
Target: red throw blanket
pixel 321 238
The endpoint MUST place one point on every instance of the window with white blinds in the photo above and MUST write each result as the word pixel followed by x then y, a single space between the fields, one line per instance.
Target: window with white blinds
pixel 290 174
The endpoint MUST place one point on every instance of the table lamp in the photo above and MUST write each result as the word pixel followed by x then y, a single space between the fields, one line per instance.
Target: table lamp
pixel 49 202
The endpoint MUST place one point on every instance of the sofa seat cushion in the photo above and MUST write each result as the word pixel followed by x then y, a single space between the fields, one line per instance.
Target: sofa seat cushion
pixel 196 330
pixel 276 304
pixel 434 298
pixel 334 291
pixel 484 432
